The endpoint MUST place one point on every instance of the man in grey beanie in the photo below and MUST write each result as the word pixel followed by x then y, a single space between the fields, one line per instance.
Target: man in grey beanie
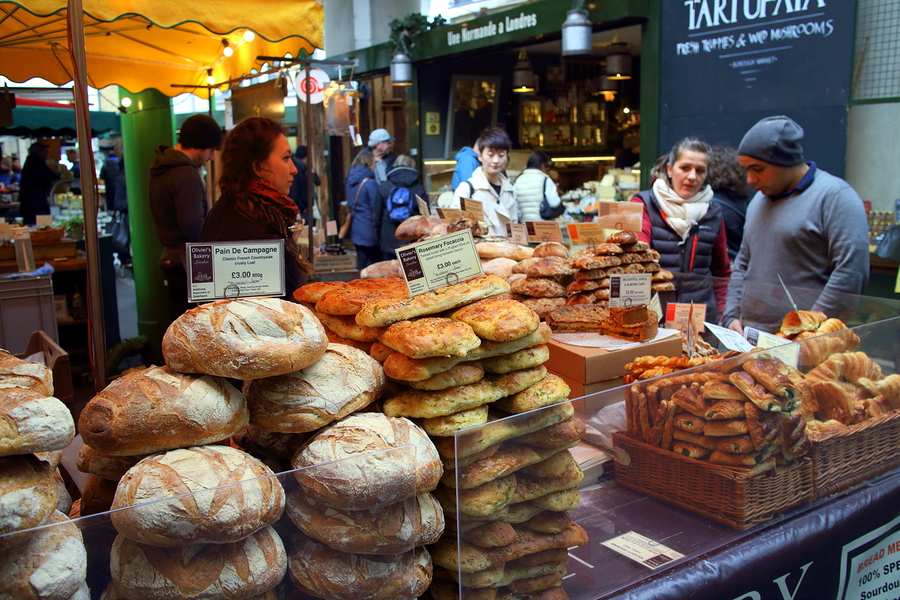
pixel 178 199
pixel 804 224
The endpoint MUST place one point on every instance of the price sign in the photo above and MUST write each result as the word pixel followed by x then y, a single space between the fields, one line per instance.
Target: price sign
pixel 655 306
pixel 626 216
pixel 586 234
pixel 442 261
pixel 448 215
pixel 677 316
pixel 730 339
pixel 218 270
pixel 543 231
pixel 643 550
pixel 43 220
pixel 423 206
pixel 472 209
pixel 338 262
pixel 331 228
pixel 517 234
pixel 785 350
pixel 629 289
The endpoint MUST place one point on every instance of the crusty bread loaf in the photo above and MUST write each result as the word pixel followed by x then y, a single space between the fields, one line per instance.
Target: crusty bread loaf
pixel 550 266
pixel 326 573
pixel 97 496
pixel 540 287
pixel 366 461
pixel 546 249
pixel 415 227
pixel 245 338
pixel 501 267
pixel 102 465
pixel 503 250
pixel 203 572
pixel 385 312
pixel 33 422
pixel 50 564
pixel 342 381
pixel 253 499
pixel 157 409
pixel 268 444
pixel 18 373
pixel 64 498
pixel 28 495
pixel 392 529
pixel 543 306
pixel 334 338
pixel 384 269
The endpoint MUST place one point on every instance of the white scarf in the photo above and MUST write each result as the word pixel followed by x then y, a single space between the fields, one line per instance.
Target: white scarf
pixel 681 213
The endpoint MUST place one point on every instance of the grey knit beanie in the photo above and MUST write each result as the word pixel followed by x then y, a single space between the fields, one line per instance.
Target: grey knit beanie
pixel 774 140
pixel 201 132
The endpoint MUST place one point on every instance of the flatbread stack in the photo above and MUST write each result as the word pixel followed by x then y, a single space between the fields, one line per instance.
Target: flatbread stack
pixel 477 363
pixel 754 417
pixel 622 252
pixel 540 281
pixel 36 426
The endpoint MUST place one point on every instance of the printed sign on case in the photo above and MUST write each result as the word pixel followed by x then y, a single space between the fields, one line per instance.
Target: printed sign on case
pixel 219 270
pixel 448 215
pixel 586 234
pixel 442 261
pixel 516 233
pixel 543 231
pixel 642 549
pixel 785 350
pixel 472 209
pixel 629 289
pixel 677 316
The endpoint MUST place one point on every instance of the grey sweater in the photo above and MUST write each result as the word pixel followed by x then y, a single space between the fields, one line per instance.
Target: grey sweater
pixel 816 239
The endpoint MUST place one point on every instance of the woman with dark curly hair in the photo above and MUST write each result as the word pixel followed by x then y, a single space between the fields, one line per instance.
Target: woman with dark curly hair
pixel 728 180
pixel 257 172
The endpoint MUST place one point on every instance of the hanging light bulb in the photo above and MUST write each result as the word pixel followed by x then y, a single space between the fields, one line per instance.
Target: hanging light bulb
pixel 618 61
pixel 228 50
pixel 576 33
pixel 401 69
pixel 126 101
pixel 523 75
pixel 608 88
pixel 249 36
pixel 209 77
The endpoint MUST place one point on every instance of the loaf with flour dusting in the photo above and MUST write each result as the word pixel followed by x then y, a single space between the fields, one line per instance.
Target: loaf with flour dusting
pixel 18 373
pixel 324 572
pixel 342 381
pixel 366 461
pixel 157 409
pixel 50 565
pixel 102 465
pixel 392 529
pixel 246 497
pixel 241 569
pixel 246 338
pixel 28 495
pixel 33 422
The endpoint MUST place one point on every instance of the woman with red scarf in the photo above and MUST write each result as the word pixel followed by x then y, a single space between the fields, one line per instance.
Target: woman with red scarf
pixel 257 172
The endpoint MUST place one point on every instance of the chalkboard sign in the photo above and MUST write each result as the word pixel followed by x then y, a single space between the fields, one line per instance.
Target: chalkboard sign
pixel 727 63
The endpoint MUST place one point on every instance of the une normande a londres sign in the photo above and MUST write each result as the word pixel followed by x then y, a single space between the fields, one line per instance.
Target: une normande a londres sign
pixel 508 24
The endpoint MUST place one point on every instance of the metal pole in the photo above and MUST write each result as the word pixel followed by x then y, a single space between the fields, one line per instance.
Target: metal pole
pixel 75 24
pixel 309 178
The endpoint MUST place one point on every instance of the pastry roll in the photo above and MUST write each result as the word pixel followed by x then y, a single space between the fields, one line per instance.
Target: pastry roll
pixel 725 427
pixel 690 450
pixel 763 426
pixel 721 390
pixel 794 441
pixel 738 444
pixel 695 438
pixel 689 422
pixel 757 394
pixel 772 374
pixel 737 460
pixel 689 399
pixel 726 409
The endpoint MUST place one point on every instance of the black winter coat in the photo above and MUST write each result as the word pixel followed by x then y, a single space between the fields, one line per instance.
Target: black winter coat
pixel 397 177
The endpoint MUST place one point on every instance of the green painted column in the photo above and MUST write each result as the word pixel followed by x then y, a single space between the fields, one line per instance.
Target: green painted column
pixel 148 123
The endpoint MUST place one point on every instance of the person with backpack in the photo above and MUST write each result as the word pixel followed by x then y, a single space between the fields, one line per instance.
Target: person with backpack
pixel 535 191
pixel 397 202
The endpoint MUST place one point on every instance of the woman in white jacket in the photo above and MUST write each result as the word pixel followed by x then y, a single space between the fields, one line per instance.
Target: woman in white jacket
pixel 489 184
pixel 533 186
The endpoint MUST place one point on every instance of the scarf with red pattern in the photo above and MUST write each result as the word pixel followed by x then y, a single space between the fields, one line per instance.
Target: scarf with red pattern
pixel 266 205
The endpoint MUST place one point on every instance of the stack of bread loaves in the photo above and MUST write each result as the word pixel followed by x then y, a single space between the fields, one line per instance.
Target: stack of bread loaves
pixel 480 362
pixel 622 252
pixel 50 562
pixel 540 281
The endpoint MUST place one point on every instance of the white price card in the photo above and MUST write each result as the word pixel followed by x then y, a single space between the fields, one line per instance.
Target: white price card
pixel 517 234
pixel 438 262
pixel 543 231
pixel 331 228
pixel 585 234
pixel 785 350
pixel 730 339
pixel 677 316
pixel 472 209
pixel 43 220
pixel 629 289
pixel 336 262
pixel 642 550
pixel 218 270
pixel 623 216
pixel 656 306
pixel 448 215
pixel 423 206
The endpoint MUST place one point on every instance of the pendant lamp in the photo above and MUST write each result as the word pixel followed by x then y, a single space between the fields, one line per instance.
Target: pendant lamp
pixel 401 69
pixel 618 61
pixel 576 33
pixel 523 75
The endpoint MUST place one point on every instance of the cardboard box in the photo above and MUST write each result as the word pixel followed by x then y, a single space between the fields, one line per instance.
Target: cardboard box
pixel 580 390
pixel 591 365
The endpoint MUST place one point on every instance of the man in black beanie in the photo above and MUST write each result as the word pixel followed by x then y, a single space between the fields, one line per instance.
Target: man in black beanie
pixel 804 224
pixel 178 199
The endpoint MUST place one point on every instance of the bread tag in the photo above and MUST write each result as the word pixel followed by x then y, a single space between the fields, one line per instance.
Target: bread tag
pixel 445 260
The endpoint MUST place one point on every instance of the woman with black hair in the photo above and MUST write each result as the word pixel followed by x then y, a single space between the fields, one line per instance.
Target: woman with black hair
pixel 685 227
pixel 489 183
pixel 257 172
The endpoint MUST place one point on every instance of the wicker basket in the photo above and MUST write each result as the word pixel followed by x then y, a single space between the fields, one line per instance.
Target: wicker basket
pixel 853 454
pixel 727 495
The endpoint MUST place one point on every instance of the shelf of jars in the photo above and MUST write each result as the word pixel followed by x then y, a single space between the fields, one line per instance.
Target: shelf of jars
pixel 545 125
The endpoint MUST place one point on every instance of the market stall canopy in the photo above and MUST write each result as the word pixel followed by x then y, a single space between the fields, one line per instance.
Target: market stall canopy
pixel 34 121
pixel 170 42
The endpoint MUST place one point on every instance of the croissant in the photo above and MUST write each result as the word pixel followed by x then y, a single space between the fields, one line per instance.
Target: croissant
pixel 877 406
pixel 805 320
pixel 889 387
pixel 858 364
pixel 814 351
pixel 830 326
pixel 834 402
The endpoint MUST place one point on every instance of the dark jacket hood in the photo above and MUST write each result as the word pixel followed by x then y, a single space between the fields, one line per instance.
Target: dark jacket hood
pixel 166 157
pixel 358 173
pixel 403 176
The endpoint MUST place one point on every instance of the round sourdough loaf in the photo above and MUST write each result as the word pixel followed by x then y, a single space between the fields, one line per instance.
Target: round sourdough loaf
pixel 268 444
pixel 157 409
pixel 392 529
pixel 240 569
pixel 246 338
pixel 97 496
pixel 372 460
pixel 18 373
pixel 50 565
pixel 33 422
pixel 246 497
pixel 104 465
pixel 342 381
pixel 28 495
pixel 326 573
